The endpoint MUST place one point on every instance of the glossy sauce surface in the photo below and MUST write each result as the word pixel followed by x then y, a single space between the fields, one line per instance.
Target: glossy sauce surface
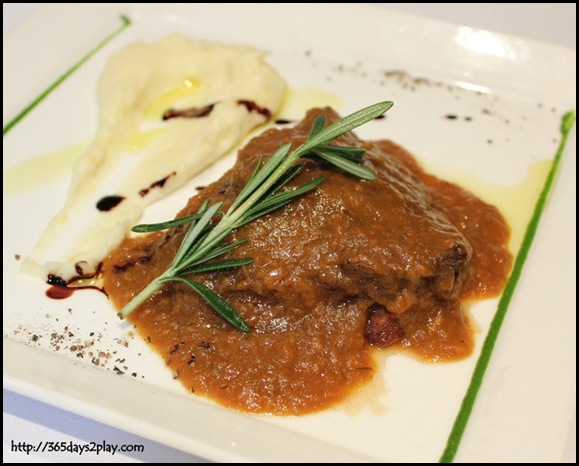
pixel 354 264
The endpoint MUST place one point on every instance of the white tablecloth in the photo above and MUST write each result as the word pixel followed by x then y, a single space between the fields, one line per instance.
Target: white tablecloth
pixel 30 421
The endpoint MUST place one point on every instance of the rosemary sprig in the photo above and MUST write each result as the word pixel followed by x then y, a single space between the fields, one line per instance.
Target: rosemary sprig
pixel 262 194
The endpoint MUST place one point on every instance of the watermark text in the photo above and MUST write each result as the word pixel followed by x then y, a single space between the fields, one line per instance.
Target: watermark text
pixel 76 448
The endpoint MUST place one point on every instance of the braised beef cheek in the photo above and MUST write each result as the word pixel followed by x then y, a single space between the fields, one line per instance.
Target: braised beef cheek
pixel 353 265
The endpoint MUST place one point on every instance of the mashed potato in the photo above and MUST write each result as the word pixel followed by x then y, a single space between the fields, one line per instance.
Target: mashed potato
pixel 215 93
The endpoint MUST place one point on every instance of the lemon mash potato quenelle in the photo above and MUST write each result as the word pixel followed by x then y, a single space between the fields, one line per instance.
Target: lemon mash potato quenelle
pixel 166 111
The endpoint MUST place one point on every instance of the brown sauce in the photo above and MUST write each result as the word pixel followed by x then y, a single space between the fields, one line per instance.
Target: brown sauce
pixel 354 264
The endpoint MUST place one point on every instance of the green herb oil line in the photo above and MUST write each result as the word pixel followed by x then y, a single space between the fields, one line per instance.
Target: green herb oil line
pixel 125 23
pixel 469 399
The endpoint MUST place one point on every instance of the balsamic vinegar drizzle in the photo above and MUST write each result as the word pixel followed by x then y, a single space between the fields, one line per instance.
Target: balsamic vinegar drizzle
pixel 109 202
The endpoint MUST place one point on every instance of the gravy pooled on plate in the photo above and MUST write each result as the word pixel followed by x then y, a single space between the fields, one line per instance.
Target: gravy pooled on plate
pixel 351 266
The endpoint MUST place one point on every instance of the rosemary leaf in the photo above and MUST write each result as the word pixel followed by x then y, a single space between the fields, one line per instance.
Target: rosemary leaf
pixel 261 175
pixel 345 124
pixel 318 126
pixel 195 230
pixel 222 307
pixel 286 178
pixel 150 227
pixel 218 251
pixel 204 248
pixel 213 266
pixel 277 201
pixel 347 165
pixel 355 154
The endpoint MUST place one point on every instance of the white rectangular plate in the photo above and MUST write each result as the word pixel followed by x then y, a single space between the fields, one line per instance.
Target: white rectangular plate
pixel 480 108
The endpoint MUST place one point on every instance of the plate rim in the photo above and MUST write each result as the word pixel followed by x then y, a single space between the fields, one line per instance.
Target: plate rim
pixel 13 382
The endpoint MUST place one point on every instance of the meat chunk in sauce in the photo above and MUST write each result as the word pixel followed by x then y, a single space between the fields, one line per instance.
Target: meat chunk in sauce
pixel 354 264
